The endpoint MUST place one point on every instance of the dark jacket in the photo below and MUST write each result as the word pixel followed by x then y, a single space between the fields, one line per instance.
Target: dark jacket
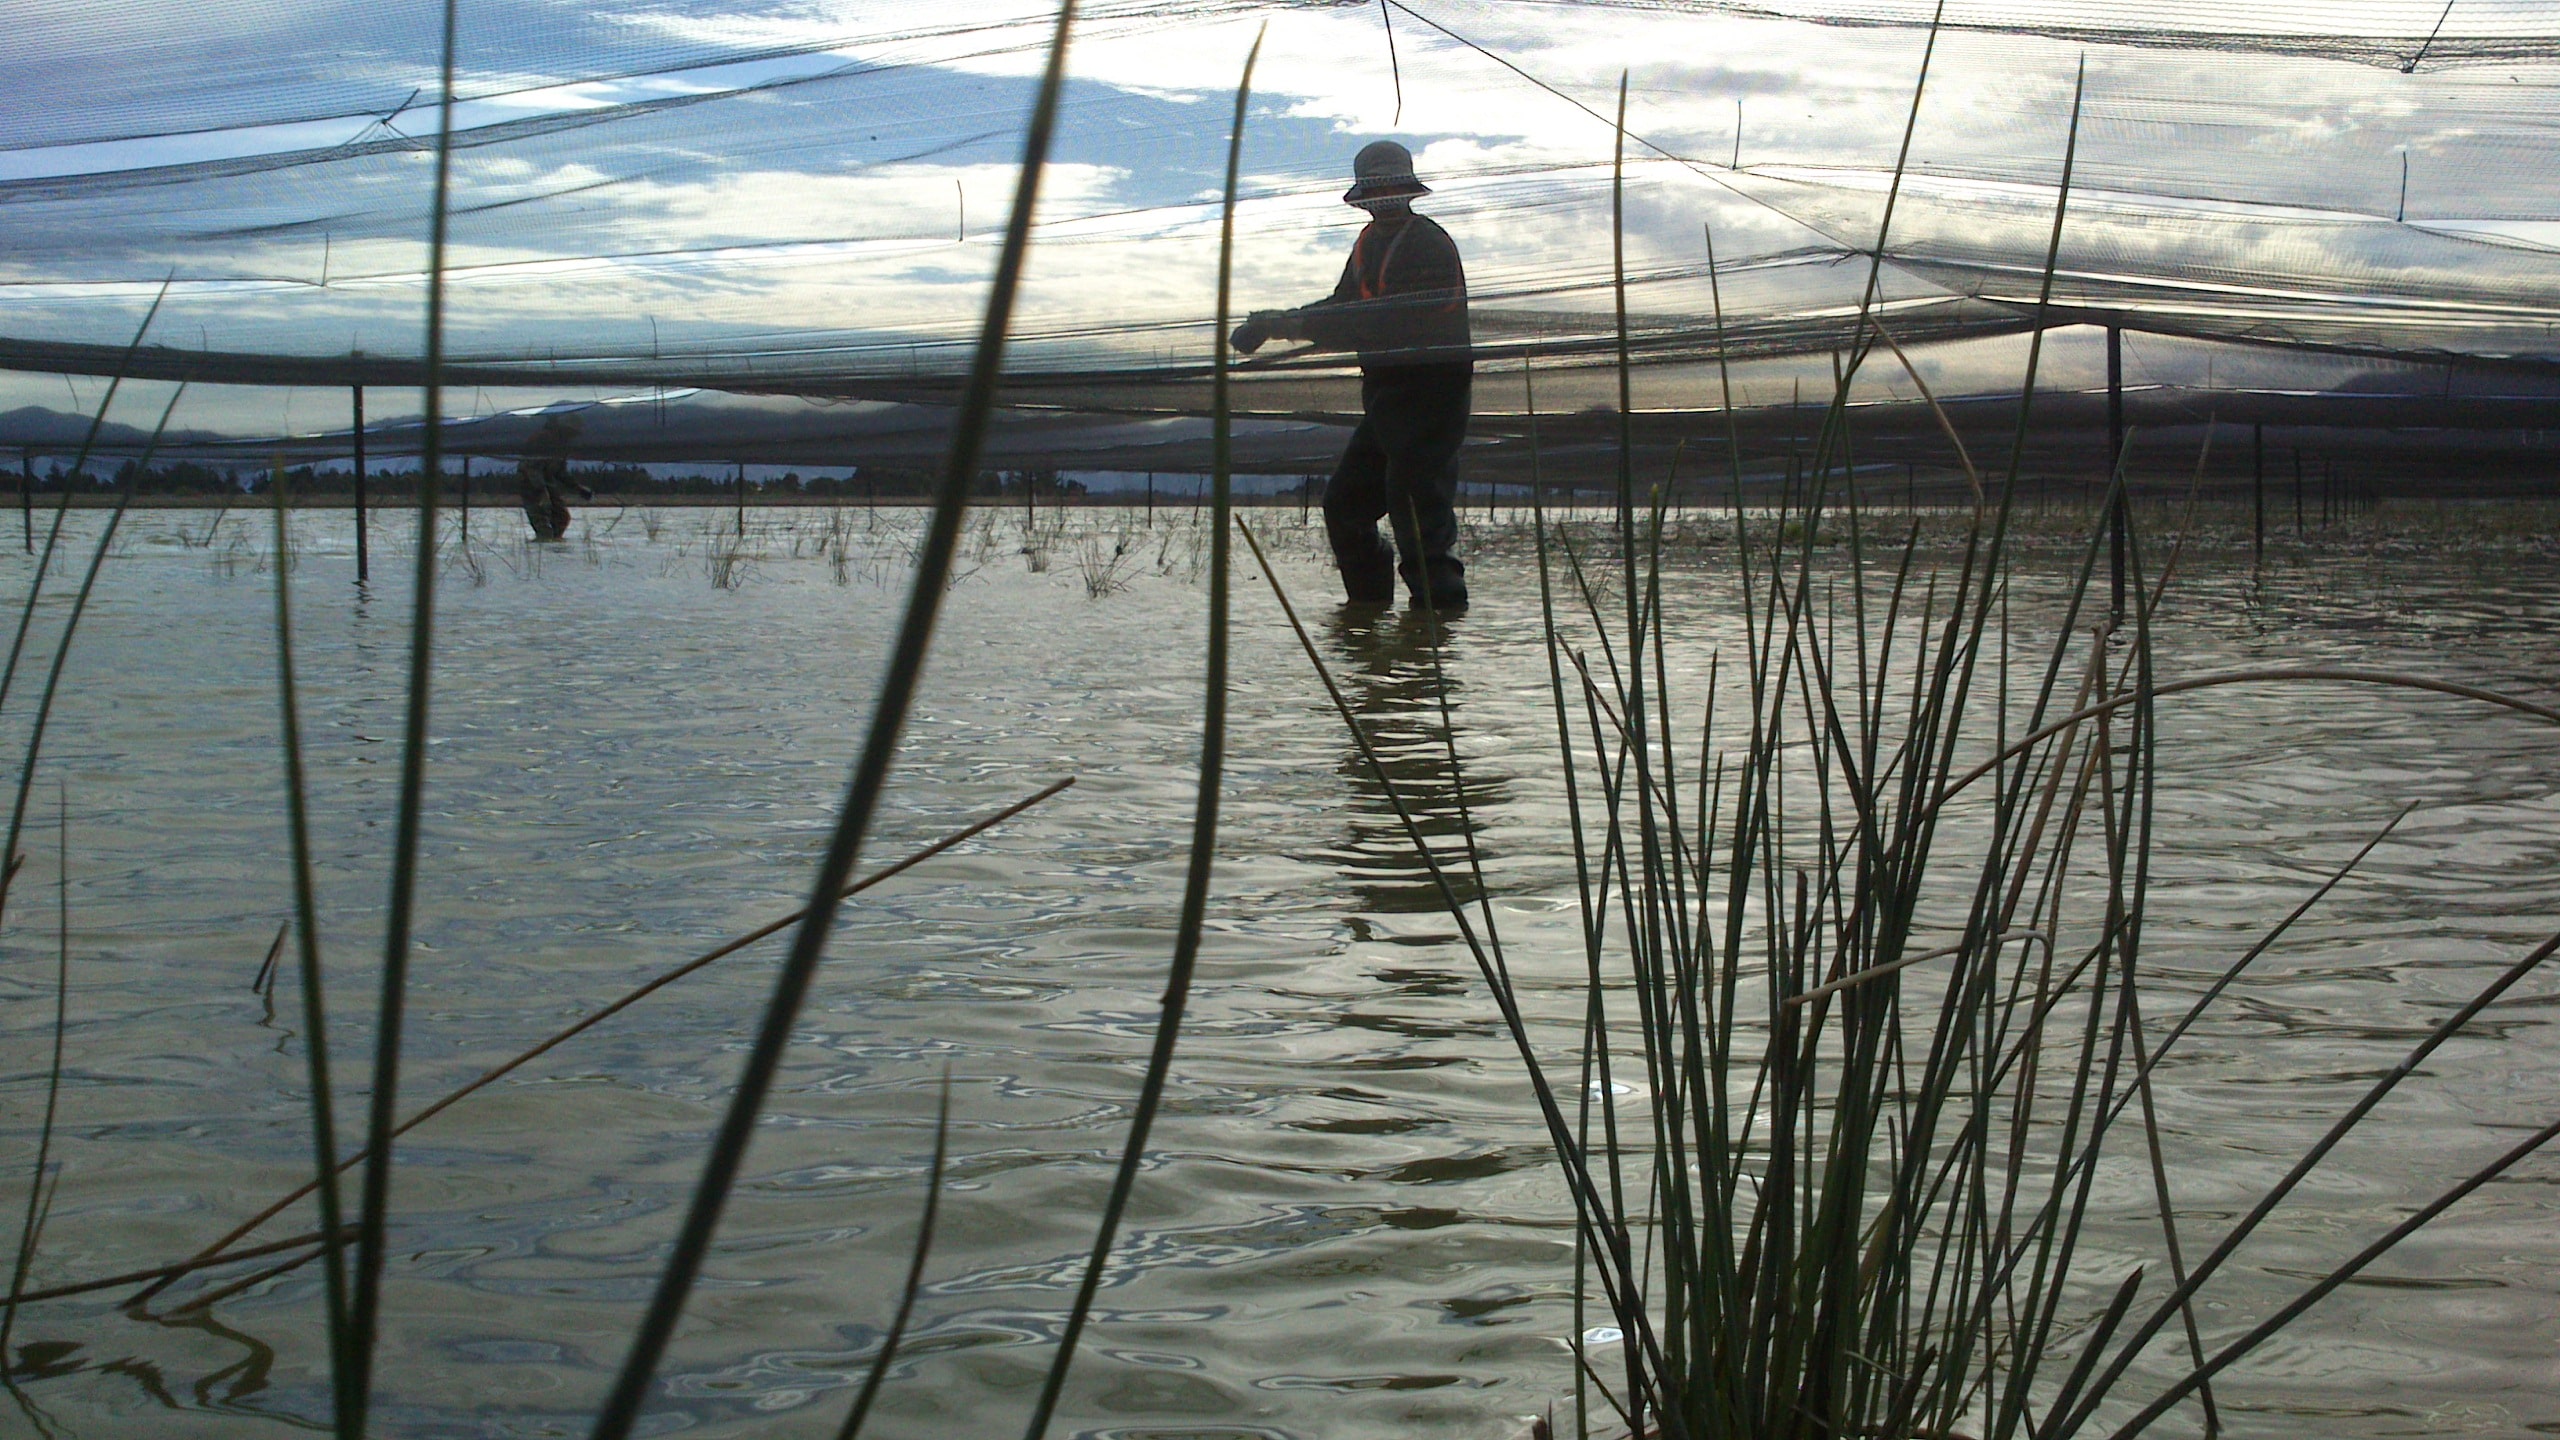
pixel 1402 300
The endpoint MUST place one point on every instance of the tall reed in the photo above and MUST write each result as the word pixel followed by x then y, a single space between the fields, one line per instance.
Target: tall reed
pixel 346 1410
pixel 53 533
pixel 1881 983
pixel 1204 815
pixel 52 691
pixel 916 1258
pixel 9 857
pixel 373 1210
pixel 31 1227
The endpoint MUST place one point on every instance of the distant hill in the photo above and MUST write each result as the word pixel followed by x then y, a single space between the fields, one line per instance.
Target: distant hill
pixel 2432 380
pixel 51 432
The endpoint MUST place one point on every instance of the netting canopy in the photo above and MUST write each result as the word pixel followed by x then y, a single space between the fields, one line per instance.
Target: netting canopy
pixel 788 197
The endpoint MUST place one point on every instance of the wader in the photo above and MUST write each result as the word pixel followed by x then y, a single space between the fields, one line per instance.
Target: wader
pixel 1402 466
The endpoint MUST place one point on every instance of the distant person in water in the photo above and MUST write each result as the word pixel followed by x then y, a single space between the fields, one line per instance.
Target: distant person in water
pixel 1402 304
pixel 542 477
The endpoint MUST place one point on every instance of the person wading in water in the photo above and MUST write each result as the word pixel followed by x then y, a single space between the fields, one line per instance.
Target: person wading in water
pixel 543 474
pixel 1402 304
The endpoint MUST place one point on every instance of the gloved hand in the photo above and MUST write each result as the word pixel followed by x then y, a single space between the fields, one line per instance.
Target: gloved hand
pixel 1258 329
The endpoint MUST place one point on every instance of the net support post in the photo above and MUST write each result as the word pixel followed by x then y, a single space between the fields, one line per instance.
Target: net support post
pixel 2118 506
pixel 2258 491
pixel 356 433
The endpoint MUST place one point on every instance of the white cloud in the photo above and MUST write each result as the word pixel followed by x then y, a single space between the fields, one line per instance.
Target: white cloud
pixel 736 227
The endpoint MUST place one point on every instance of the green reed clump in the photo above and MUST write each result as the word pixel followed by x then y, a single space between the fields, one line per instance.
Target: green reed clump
pixel 1882 1045
pixel 1863 924
pixel 1862 913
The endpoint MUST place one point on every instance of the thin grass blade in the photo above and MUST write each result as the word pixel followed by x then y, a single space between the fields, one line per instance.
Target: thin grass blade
pixel 907 1293
pixel 62 648
pixel 1204 819
pixel 347 1409
pixel 373 1213
pixel 212 1252
pixel 871 772
pixel 33 1224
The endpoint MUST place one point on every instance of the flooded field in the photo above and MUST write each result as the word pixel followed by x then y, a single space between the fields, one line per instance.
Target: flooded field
pixel 1351 1225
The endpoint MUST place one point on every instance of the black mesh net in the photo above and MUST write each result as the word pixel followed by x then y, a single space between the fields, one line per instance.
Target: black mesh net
pixel 791 200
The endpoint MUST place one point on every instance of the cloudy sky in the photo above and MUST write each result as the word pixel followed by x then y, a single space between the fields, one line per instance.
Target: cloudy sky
pixel 756 179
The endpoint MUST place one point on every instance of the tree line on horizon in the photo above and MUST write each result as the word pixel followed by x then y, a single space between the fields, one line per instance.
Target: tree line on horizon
pixel 191 477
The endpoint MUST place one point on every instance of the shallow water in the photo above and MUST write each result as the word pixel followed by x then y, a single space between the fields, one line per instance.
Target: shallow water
pixel 1349 1225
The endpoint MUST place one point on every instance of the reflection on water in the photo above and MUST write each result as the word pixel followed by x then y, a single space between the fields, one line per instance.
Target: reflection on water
pixel 1401 674
pixel 1349 1227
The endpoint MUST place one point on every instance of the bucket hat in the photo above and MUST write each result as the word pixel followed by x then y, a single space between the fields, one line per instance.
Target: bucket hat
pixel 1383 170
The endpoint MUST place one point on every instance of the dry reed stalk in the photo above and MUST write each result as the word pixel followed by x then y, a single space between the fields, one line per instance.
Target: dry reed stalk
pixel 158 1272
pixel 213 1252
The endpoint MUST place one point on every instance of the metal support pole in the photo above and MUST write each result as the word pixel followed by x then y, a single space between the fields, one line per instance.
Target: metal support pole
pixel 2116 508
pixel 742 499
pixel 2298 531
pixel 1151 499
pixel 2258 491
pixel 466 500
pixel 363 558
pixel 27 495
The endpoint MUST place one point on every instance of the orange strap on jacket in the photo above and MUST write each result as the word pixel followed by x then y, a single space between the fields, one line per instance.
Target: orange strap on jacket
pixel 1457 299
